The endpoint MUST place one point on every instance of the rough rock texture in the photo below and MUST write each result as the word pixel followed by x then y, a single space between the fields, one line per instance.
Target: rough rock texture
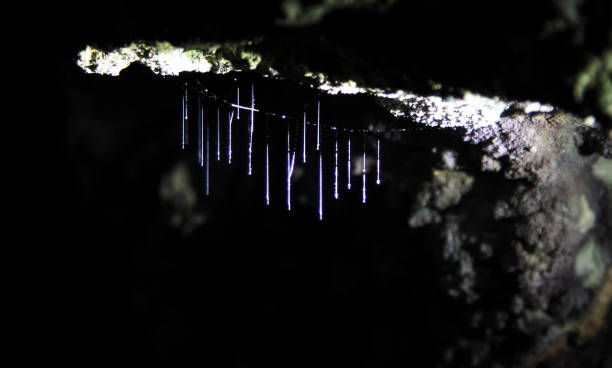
pixel 535 224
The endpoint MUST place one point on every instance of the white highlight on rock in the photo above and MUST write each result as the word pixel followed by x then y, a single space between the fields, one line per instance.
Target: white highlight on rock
pixel 536 107
pixel 471 111
pixel 165 59
pixel 347 88
pixel 589 121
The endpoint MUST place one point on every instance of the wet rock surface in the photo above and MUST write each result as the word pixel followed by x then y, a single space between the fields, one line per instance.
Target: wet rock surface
pixel 492 245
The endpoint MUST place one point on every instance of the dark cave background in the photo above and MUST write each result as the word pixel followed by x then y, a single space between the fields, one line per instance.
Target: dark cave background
pixel 256 285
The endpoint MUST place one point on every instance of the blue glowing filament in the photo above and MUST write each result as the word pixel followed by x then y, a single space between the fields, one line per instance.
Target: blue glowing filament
pixel 229 137
pixel 363 173
pixel 185 122
pixel 336 170
pixel 348 164
pixel 378 161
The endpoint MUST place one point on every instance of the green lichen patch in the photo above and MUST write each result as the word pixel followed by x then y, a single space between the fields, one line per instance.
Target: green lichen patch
pixel 587 218
pixel 602 169
pixel 596 77
pixel 252 58
pixel 589 264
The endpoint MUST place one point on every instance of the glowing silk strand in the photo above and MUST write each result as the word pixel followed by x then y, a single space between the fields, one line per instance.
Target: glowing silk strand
pixel 207 158
pixel 185 122
pixel 348 164
pixel 363 172
pixel 229 138
pixel 304 140
pixel 318 123
pixel 336 170
pixel 267 174
pixel 290 165
pixel 200 132
pixel 378 161
pixel 218 135
pixel 238 102
pixel 207 168
pixel 251 128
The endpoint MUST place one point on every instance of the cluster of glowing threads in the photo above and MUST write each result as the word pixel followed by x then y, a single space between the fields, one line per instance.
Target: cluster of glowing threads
pixel 472 112
pixel 204 146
